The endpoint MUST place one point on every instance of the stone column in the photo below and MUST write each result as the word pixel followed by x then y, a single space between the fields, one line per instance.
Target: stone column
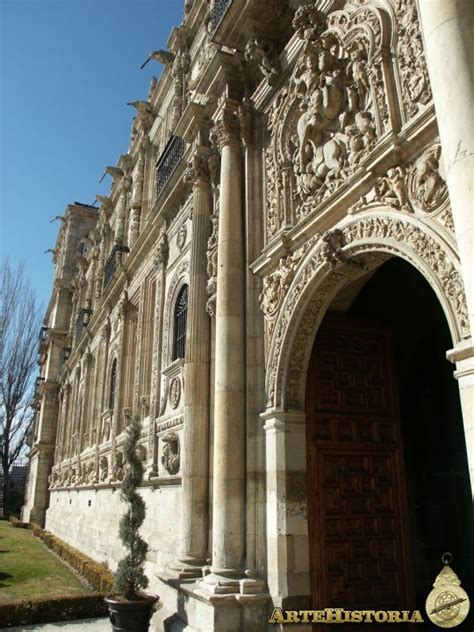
pixel 228 527
pixel 448 30
pixel 195 453
pixel 463 356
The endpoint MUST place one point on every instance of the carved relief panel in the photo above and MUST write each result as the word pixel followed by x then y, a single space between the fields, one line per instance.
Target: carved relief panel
pixel 355 80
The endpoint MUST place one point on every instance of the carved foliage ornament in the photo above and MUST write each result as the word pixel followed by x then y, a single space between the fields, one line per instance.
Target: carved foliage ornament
pixel 331 263
pixel 416 90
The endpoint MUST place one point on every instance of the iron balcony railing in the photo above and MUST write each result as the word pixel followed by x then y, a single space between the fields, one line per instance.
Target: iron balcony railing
pixel 169 160
pixel 218 12
pixel 111 263
pixel 82 320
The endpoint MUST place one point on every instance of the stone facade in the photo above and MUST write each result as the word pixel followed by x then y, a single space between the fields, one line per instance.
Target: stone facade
pixel 288 150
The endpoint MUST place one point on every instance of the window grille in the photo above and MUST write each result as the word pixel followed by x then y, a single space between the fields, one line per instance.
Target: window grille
pixel 180 316
pixel 169 160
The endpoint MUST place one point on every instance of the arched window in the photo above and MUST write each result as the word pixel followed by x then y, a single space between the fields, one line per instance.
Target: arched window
pixel 113 384
pixel 179 330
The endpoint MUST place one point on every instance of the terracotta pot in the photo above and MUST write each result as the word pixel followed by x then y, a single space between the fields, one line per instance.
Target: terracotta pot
pixel 131 616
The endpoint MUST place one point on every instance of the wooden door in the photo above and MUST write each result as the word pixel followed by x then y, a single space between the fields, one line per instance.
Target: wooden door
pixel 359 544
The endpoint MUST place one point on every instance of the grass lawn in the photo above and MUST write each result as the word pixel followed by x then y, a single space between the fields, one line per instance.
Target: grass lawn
pixel 28 569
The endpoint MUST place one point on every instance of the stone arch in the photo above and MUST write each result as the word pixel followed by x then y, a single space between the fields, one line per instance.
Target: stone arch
pixel 358 244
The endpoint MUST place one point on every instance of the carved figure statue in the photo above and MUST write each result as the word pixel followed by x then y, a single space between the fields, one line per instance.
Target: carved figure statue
pixel 118 473
pixel 262 52
pixel 104 469
pixel 170 457
pixel 428 183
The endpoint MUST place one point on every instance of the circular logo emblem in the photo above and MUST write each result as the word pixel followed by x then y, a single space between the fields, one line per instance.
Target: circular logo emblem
pixel 447 604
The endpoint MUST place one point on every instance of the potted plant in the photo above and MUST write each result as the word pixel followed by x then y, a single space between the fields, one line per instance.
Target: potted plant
pixel 130 609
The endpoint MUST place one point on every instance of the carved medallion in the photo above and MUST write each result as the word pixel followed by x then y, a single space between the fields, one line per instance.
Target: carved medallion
pixel 181 237
pixel 175 392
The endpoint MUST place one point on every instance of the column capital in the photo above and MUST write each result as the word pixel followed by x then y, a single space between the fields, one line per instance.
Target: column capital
pixel 227 127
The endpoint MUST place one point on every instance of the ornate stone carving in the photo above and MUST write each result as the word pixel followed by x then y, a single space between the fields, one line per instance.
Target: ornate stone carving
pixel 331 250
pixel 119 465
pixel 212 263
pixel 416 90
pixel 327 120
pixel 227 127
pixel 91 477
pixel 197 170
pixel 261 52
pixel 180 75
pixel 104 469
pixel 418 187
pixel 181 236
pixel 404 238
pixel 204 57
pixel 426 187
pixel 175 392
pixel 214 162
pixel 171 453
pixel 162 253
pixel 276 285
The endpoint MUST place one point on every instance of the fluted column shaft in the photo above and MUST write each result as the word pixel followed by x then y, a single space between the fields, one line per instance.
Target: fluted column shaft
pixel 229 411
pixel 195 465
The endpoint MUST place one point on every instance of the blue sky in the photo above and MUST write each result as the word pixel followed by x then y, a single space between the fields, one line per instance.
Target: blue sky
pixel 67 70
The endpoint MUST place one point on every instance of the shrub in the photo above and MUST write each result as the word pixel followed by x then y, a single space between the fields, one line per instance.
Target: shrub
pixel 97 576
pixel 130 575
pixel 26 611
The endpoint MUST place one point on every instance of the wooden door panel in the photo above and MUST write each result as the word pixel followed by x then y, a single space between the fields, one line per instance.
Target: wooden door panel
pixel 357 504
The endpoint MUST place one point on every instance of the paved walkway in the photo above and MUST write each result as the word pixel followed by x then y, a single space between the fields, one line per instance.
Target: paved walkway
pixel 88 625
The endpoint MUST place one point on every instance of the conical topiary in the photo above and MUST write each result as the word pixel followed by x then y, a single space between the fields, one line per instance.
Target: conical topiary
pixel 130 575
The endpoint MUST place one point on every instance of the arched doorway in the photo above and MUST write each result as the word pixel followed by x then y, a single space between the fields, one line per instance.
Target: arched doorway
pixel 388 484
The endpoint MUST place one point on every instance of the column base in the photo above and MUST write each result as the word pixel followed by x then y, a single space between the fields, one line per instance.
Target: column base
pixel 187 568
pixel 222 584
pixel 188 607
